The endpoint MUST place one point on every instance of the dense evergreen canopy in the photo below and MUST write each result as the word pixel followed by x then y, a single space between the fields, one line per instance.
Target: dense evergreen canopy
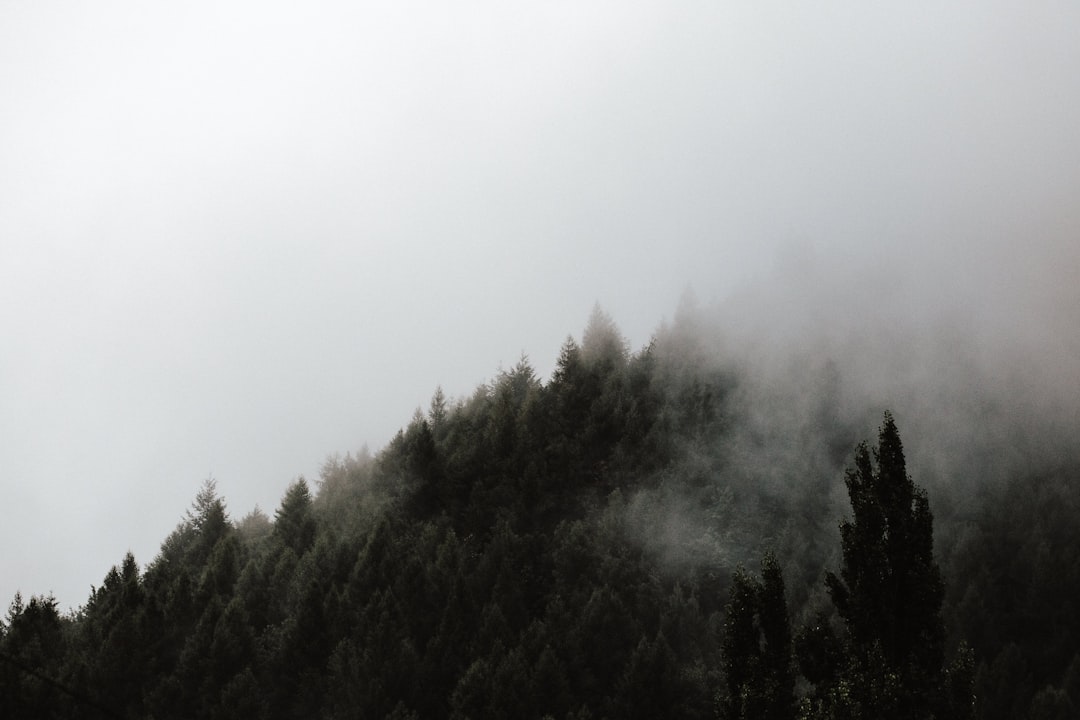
pixel 574 549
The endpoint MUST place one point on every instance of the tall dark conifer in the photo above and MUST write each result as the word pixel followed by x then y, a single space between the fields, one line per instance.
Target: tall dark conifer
pixel 294 523
pixel 889 592
pixel 756 650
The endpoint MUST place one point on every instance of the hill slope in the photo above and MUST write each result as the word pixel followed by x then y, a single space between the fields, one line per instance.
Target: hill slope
pixel 562 548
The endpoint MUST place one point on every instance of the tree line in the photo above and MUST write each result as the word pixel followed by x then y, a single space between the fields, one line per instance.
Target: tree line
pixel 574 549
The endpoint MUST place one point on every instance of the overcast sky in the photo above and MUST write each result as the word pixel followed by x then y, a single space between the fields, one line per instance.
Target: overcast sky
pixel 236 237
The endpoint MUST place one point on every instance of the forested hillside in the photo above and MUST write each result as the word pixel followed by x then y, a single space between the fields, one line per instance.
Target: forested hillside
pixel 588 546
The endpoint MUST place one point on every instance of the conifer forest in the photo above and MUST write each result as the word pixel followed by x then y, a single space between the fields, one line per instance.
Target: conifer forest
pixel 659 533
pixel 562 360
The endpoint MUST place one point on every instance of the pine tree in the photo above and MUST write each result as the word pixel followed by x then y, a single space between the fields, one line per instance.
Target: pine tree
pixel 438 412
pixel 208 520
pixel 601 343
pixel 294 523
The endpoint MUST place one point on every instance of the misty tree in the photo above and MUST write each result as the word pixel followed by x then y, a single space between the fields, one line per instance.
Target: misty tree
pixel 255 526
pixel 602 344
pixel 889 595
pixel 437 412
pixel 207 520
pixel 294 523
pixel 207 511
pixel 568 402
pixel 757 649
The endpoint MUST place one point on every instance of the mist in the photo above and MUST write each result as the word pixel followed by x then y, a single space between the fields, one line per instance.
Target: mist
pixel 233 241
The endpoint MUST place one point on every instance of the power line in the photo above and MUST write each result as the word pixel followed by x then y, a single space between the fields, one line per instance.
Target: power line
pixel 75 694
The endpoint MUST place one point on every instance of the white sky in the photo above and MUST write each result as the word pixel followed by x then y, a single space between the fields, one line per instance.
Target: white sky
pixel 236 237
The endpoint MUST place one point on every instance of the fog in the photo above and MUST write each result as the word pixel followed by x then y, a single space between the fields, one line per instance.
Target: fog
pixel 236 239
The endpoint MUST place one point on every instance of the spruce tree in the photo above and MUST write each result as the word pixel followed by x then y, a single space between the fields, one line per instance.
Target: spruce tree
pixel 294 523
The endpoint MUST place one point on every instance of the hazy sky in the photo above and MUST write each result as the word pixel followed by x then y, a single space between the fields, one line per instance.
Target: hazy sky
pixel 238 236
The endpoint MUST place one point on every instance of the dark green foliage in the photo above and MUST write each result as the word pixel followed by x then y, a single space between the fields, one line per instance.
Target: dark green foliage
pixel 820 652
pixel 890 591
pixel 889 595
pixel 757 649
pixel 1018 605
pixel 207 520
pixel 112 630
pixel 33 645
pixel 294 525
pixel 563 549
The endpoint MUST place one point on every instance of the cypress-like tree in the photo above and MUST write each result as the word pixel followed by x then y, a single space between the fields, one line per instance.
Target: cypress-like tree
pixel 756 650
pixel 776 646
pixel 889 591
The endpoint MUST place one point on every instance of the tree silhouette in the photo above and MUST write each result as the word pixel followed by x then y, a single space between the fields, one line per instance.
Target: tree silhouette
pixel 889 592
pixel 756 649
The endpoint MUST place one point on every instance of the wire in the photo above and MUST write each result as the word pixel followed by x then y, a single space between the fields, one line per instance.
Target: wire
pixel 78 696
